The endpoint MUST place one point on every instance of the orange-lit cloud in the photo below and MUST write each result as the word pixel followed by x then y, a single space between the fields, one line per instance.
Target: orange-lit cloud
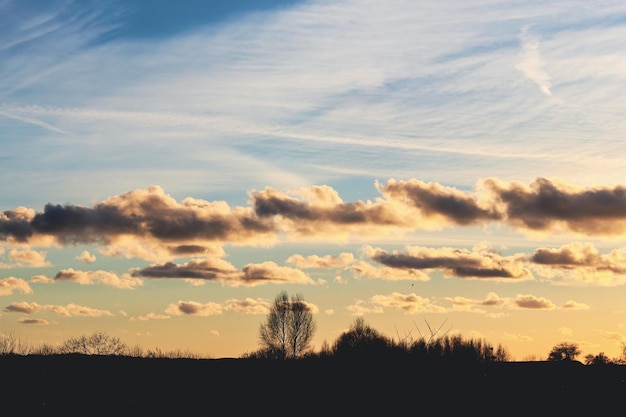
pixel 409 303
pixel 319 212
pixel 439 204
pixel 478 264
pixel 11 284
pixel 532 302
pixel 219 270
pixel 69 310
pixel 491 300
pixel 150 316
pixel 581 263
pixel 339 261
pixel 364 269
pixel 523 301
pixel 26 258
pixel 125 281
pixel 155 221
pixel 553 206
pixel 193 308
pixel 87 257
pixel 248 306
pixel 27 320
pixel 41 279
pixel 574 305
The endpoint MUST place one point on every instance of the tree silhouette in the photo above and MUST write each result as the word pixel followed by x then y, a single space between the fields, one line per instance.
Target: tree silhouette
pixel 289 328
pixel 599 359
pixel 98 343
pixel 360 340
pixel 564 351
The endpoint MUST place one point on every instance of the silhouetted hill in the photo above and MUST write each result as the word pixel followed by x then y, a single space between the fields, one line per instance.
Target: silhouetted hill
pixel 84 385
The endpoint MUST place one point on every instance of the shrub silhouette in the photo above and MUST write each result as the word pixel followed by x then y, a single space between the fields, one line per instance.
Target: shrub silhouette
pixel 98 343
pixel 360 340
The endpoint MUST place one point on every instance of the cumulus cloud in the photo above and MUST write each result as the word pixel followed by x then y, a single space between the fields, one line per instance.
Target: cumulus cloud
pixel 533 302
pixel 523 301
pixel 27 320
pixel 581 263
pixel 408 303
pixel 219 270
pixel 11 284
pixel 26 258
pixel 22 307
pixel 360 307
pixel 320 212
pixel 193 308
pixel 70 310
pixel 554 206
pixel 491 300
pixel 462 263
pixel 125 281
pixel 248 306
pixel 339 261
pixel 87 257
pixel 144 214
pixel 438 204
pixel 363 269
pixel 150 224
pixel 30 258
pixel 150 316
pixel 360 268
pixel 574 305
pixel 41 279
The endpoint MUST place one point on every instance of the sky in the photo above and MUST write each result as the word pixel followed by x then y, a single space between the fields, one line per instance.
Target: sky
pixel 169 167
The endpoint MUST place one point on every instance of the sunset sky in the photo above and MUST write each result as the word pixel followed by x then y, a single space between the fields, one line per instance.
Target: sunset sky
pixel 169 167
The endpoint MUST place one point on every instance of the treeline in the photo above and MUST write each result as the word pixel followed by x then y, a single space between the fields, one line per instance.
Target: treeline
pixel 97 343
pixel 287 334
pixel 362 341
pixel 359 341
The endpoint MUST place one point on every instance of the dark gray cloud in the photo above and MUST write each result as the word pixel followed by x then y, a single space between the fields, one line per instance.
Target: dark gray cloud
pixel 454 262
pixel 147 214
pixel 186 250
pixel 32 321
pixel 16 224
pixel 190 226
pixel 584 262
pixel 193 270
pixel 546 205
pixel 436 200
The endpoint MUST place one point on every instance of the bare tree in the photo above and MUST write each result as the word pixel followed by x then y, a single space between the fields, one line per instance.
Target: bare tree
pixel 98 343
pixel 11 344
pixel 289 328
pixel 301 326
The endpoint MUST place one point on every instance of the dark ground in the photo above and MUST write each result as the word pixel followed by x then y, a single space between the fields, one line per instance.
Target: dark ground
pixel 77 385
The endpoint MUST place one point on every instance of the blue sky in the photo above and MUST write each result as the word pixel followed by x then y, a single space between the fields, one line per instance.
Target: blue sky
pixel 299 126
